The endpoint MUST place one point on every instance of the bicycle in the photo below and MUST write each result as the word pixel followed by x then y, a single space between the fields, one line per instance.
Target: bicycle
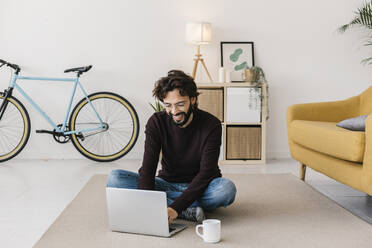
pixel 102 126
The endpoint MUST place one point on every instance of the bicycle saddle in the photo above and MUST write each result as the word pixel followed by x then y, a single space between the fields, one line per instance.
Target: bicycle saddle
pixel 79 69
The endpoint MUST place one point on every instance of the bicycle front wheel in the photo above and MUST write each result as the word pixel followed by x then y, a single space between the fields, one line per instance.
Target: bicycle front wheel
pixel 14 129
pixel 121 127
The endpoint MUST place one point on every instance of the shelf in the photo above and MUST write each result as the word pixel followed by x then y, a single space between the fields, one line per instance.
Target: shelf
pixel 221 85
pixel 210 85
pixel 242 123
pixel 243 141
pixel 241 162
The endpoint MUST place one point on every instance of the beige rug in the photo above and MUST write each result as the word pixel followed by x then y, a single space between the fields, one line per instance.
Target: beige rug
pixel 271 210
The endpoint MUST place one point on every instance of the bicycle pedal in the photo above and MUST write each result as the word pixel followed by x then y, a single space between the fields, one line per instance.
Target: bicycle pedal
pixel 80 136
pixel 44 131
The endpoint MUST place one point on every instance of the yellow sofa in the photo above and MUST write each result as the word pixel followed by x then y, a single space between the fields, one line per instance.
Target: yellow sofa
pixel 316 141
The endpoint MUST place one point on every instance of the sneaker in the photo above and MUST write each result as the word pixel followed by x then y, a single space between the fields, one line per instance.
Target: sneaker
pixel 195 214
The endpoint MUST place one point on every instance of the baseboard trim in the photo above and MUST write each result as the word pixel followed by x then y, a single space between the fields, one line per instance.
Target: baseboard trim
pixel 278 155
pixel 133 155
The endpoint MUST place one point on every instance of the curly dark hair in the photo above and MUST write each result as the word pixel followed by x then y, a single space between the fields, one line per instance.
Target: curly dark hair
pixel 176 79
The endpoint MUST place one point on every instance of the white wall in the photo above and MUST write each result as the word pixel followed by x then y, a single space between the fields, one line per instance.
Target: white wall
pixel 132 43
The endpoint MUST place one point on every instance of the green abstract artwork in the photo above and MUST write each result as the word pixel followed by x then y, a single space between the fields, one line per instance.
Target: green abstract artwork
pixel 235 56
pixel 242 66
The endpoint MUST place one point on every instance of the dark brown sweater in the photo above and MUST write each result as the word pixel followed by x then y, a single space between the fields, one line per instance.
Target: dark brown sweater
pixel 189 155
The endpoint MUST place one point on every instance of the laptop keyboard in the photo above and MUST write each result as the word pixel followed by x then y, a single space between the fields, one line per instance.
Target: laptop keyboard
pixel 175 227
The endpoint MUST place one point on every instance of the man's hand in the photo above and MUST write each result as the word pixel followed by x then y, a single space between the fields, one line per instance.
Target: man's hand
pixel 172 214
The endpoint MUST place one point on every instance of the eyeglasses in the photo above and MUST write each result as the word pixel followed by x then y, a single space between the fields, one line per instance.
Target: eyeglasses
pixel 179 106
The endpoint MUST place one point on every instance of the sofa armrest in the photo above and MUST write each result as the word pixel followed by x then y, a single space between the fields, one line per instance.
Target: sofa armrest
pixel 335 111
pixel 367 161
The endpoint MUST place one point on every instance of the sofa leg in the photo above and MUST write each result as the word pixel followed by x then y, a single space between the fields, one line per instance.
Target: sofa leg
pixel 302 171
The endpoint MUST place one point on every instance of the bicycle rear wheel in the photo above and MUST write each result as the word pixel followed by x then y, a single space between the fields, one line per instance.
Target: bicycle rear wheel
pixel 121 127
pixel 14 129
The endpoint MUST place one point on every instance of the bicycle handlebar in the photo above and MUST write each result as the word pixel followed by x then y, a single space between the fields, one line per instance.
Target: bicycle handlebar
pixel 14 66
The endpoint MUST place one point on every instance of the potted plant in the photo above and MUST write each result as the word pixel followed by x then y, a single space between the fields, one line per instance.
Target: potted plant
pixel 362 19
pixel 157 106
pixel 254 74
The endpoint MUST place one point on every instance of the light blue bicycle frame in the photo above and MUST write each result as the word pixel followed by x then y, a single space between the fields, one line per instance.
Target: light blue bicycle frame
pixel 14 85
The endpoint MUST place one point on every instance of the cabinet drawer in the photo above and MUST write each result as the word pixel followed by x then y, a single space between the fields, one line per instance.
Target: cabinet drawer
pixel 211 100
pixel 243 142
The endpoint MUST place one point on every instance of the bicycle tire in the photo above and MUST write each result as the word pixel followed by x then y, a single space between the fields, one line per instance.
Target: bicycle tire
pixel 15 111
pixel 114 104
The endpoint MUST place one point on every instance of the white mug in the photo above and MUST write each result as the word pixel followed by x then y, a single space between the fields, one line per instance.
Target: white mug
pixel 211 230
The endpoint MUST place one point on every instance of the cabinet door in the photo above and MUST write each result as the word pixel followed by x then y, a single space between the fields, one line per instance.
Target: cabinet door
pixel 211 100
pixel 243 142
pixel 243 104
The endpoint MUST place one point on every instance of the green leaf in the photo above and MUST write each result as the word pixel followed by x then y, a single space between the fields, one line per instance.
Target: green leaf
pixel 153 107
pixel 369 60
pixel 362 19
pixel 157 107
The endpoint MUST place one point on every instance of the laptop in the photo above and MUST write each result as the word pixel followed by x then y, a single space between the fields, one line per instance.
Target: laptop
pixel 139 211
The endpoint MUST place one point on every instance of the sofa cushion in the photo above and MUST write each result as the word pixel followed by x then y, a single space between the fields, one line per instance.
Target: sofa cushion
pixel 354 124
pixel 327 138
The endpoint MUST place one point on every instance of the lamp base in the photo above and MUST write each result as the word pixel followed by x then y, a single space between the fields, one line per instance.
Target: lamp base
pixel 196 61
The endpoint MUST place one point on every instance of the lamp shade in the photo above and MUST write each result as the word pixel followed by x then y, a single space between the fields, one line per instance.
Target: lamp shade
pixel 198 33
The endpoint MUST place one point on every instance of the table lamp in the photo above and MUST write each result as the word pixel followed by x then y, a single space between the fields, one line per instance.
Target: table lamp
pixel 199 33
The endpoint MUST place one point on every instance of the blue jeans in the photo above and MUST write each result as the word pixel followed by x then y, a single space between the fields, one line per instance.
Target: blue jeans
pixel 219 193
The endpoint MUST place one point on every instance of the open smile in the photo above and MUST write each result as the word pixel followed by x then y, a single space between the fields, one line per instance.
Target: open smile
pixel 178 118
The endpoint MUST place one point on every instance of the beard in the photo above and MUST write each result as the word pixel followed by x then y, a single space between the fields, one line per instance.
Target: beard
pixel 186 116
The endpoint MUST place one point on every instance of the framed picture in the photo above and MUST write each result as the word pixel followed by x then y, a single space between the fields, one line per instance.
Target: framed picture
pixel 235 57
